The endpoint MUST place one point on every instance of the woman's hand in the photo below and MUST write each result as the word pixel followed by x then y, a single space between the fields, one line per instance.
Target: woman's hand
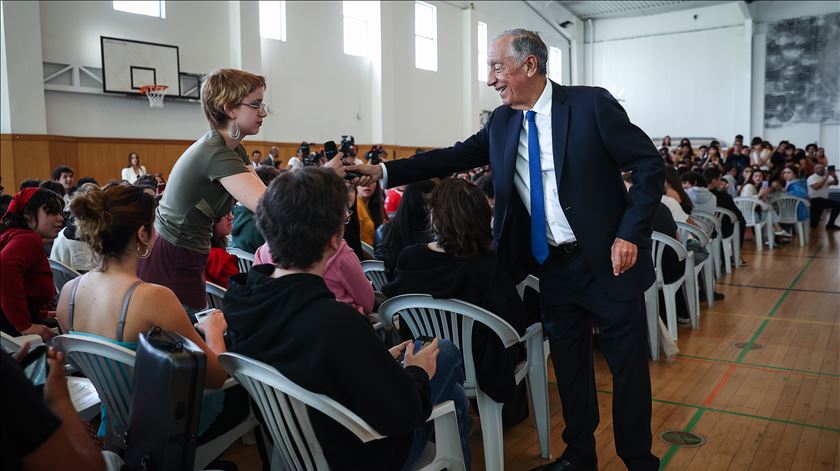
pixel 39 329
pixel 212 325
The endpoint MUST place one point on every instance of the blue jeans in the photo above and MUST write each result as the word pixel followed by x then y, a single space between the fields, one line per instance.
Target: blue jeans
pixel 446 385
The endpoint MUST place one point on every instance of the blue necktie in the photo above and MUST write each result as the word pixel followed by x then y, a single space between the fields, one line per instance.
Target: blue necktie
pixel 539 241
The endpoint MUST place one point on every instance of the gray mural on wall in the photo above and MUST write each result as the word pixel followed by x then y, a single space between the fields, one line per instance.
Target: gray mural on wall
pixel 802 74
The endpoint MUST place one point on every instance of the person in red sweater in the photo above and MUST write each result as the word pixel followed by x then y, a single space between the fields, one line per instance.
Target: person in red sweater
pixel 26 284
pixel 220 264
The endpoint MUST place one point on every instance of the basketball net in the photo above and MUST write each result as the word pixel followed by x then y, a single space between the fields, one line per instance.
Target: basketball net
pixel 155 93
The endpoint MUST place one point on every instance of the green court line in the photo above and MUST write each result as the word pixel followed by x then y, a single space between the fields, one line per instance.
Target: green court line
pixel 740 414
pixel 759 365
pixel 775 308
pixel 666 458
pixel 798 290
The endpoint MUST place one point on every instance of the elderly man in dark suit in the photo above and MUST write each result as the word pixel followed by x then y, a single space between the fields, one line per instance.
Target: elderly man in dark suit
pixel 562 213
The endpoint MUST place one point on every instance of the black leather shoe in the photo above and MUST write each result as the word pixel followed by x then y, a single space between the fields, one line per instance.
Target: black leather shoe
pixel 563 464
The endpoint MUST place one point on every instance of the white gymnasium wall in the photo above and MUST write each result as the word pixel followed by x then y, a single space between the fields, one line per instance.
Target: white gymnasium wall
pixel 317 91
pixel 697 98
pixel 70 32
pixel 5 114
pixel 682 73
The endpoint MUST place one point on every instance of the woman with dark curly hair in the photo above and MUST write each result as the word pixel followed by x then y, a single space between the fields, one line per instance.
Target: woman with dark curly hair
pixel 26 282
pixel 460 263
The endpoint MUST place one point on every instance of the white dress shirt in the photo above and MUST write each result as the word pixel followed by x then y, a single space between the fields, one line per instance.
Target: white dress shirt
pixel 557 226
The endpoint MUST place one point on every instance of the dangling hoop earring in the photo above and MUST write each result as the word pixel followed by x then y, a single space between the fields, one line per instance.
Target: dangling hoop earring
pixel 233 130
pixel 145 253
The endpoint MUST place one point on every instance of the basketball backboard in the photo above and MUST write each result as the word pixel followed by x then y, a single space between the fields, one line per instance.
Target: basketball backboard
pixel 127 65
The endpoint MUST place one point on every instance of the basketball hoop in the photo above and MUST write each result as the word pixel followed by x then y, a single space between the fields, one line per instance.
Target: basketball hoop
pixel 155 93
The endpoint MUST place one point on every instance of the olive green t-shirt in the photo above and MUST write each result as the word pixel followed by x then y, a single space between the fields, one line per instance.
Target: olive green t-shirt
pixel 194 197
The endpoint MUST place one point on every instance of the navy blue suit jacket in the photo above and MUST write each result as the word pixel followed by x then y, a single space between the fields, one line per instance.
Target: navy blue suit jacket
pixel 593 142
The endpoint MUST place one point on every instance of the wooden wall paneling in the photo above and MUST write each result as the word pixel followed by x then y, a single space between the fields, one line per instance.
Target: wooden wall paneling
pixel 31 158
pixel 100 160
pixel 7 164
pixel 65 152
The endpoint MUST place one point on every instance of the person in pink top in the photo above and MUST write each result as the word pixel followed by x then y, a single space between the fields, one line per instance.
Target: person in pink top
pixel 343 275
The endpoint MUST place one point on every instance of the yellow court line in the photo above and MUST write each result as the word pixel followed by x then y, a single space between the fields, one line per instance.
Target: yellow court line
pixel 774 318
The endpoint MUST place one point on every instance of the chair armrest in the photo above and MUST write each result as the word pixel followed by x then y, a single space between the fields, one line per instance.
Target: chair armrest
pixel 532 330
pixel 441 410
pixel 229 383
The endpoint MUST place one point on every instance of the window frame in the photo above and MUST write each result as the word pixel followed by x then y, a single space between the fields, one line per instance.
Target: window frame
pixel 265 31
pixel 432 65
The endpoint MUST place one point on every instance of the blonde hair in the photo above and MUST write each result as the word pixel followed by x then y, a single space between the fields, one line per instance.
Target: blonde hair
pixel 226 87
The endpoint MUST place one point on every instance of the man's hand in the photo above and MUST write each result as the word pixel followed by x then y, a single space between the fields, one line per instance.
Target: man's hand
pixel 397 350
pixel 623 256
pixel 370 174
pixel 425 358
pixel 337 164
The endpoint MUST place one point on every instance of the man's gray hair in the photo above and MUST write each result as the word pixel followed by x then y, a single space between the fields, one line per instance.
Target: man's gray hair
pixel 527 43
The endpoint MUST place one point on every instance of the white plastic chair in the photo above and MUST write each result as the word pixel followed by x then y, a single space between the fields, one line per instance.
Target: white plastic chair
pixel 703 269
pixel 61 274
pixel 375 273
pixel 366 248
pixel 244 259
pixel 533 282
pixel 732 244
pixel 786 206
pixel 748 206
pixel 453 320
pixel 283 405
pixel 110 368
pixel 669 290
pixel 82 393
pixel 215 295
pixel 715 236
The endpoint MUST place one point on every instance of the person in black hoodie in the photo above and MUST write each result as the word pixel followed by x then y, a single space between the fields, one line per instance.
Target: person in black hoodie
pixel 284 315
pixel 460 264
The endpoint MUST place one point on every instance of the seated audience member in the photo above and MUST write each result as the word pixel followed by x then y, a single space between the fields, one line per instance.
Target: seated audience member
pixel 68 248
pixel 29 183
pixel 42 430
pixel 485 184
pixel 133 170
pixel 695 187
pixel 26 281
pixel 818 184
pixel 675 198
pixel 256 158
pixel 149 185
pixel 672 267
pixel 724 200
pixel 161 183
pixel 220 264
pixel 392 200
pixel 757 187
pixel 759 156
pixel 410 225
pixel 461 264
pixel 112 303
pixel 730 176
pixel 64 175
pixel 343 272
pixel 245 234
pixel 370 209
pixel 283 314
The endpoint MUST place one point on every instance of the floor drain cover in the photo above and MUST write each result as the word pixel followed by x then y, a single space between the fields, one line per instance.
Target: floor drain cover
pixel 680 438
pixel 746 346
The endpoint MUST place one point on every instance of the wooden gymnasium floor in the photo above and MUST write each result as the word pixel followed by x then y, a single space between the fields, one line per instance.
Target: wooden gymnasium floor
pixel 774 406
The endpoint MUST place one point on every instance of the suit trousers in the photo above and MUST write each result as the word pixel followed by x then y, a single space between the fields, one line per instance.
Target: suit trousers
pixel 571 301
